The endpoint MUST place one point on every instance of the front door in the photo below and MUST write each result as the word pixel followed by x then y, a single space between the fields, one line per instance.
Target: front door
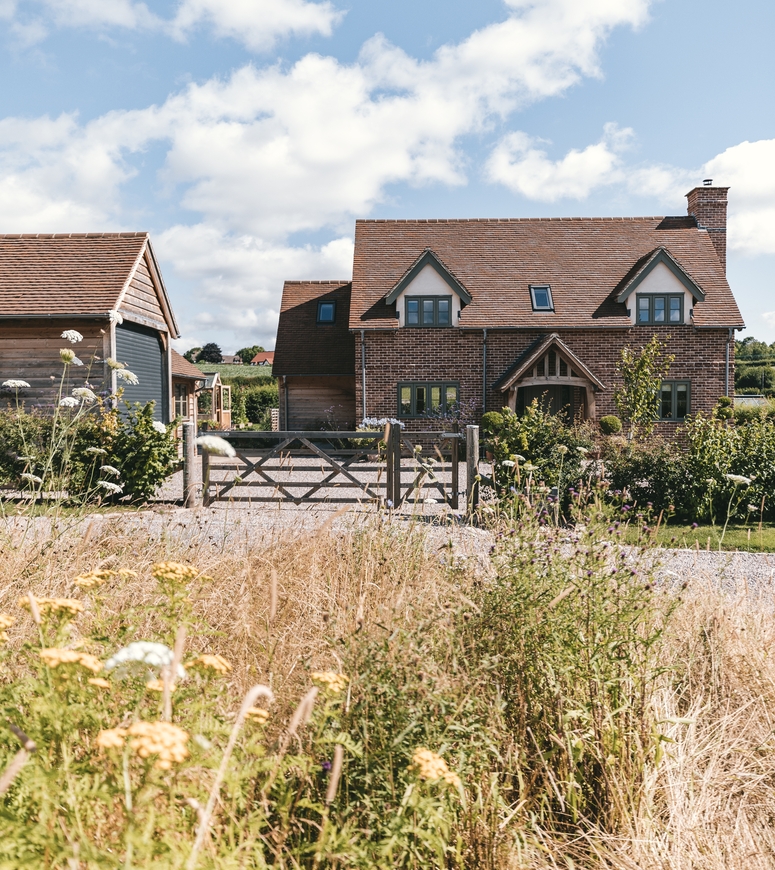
pixel 556 399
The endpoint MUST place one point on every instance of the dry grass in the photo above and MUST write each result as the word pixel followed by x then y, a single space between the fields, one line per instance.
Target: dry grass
pixel 708 803
pixel 324 585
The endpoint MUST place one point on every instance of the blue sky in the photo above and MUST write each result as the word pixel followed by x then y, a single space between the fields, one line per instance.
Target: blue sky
pixel 247 135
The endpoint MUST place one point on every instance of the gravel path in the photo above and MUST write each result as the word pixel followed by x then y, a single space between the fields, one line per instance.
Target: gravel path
pixel 231 527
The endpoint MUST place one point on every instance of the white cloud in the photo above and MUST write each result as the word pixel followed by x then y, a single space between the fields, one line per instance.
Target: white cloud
pixel 256 23
pixel 749 170
pixel 523 167
pixel 269 152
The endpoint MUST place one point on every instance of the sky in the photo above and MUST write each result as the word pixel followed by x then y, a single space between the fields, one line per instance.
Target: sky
pixel 248 135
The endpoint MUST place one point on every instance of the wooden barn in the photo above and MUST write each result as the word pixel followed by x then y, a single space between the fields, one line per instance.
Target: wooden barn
pixel 109 288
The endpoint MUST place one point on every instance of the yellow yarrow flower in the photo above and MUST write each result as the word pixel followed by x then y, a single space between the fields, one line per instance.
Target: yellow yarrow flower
pixel 428 765
pixel 163 739
pixel 257 715
pixel 6 621
pixel 100 682
pixel 54 606
pixel 210 661
pixel 329 681
pixel 173 572
pixel 111 738
pixel 156 686
pixel 92 579
pixel 55 657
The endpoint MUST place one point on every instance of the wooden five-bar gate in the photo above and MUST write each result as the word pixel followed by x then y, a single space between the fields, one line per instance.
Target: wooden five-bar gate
pixel 388 467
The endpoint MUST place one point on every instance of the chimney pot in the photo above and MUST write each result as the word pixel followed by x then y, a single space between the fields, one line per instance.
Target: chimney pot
pixel 707 182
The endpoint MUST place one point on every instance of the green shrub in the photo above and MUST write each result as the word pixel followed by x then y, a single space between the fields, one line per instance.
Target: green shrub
pixel 491 423
pixel 258 400
pixel 610 425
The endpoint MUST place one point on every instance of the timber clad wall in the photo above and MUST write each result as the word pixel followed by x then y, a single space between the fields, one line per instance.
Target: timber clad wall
pixel 456 355
pixel 141 298
pixel 316 400
pixel 29 351
pixel 141 350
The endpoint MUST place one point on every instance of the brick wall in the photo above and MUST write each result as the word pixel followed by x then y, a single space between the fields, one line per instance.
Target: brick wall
pixel 709 206
pixel 456 355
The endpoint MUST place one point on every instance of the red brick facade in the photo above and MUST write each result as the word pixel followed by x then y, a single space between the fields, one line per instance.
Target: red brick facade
pixel 457 355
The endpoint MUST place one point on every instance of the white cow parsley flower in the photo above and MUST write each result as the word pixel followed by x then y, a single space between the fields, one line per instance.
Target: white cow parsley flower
pixel 68 402
pixel 508 463
pixel 112 488
pixel 32 478
pixel 110 469
pixel 14 384
pixel 145 652
pixel 85 395
pixel 127 377
pixel 114 363
pixel 216 445
pixel 72 335
pixel 738 479
pixel 159 427
pixel 97 451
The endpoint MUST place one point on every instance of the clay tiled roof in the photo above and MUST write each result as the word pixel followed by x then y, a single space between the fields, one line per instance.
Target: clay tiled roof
pixel 266 356
pixel 305 347
pixel 59 275
pixel 182 368
pixel 587 261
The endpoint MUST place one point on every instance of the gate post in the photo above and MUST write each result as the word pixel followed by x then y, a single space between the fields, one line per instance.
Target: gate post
pixel 454 501
pixel 389 467
pixel 189 460
pixel 472 468
pixel 205 479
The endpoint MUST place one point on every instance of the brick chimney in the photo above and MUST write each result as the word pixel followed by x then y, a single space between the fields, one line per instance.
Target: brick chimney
pixel 709 205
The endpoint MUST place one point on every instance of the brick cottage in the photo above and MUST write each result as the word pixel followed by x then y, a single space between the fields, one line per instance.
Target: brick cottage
pixel 482 314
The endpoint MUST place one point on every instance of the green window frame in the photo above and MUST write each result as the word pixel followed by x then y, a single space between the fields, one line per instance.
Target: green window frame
pixel 656 308
pixel 181 401
pixel 428 311
pixel 674 400
pixel 427 399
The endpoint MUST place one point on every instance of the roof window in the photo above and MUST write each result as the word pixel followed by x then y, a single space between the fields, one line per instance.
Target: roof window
pixel 326 312
pixel 541 297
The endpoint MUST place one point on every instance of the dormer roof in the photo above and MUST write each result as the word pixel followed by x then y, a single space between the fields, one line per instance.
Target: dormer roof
pixel 428 258
pixel 643 270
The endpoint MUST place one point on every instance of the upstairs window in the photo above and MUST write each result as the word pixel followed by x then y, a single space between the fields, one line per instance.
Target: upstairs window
pixel 660 309
pixel 541 297
pixel 181 401
pixel 428 310
pixel 326 312
pixel 427 400
pixel 674 400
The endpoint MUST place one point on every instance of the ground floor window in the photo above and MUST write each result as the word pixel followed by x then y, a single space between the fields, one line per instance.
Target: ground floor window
pixel 181 401
pixel 674 400
pixel 427 399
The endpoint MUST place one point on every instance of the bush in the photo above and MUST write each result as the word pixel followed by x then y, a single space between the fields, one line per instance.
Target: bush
pixel 491 423
pixel 258 400
pixel 610 425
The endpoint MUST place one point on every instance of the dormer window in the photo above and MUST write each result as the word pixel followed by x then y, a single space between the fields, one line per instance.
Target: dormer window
pixel 541 297
pixel 428 311
pixel 660 309
pixel 326 312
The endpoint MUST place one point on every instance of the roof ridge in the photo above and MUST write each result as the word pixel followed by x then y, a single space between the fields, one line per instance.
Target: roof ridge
pixel 125 235
pixel 325 281
pixel 660 217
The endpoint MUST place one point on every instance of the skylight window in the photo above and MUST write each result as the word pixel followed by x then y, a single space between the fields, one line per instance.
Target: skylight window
pixel 326 312
pixel 541 297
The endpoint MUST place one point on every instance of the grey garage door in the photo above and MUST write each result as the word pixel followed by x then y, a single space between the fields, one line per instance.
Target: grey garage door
pixel 141 351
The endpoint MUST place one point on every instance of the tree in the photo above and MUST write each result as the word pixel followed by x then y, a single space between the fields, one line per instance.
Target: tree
pixel 246 354
pixel 210 353
pixel 193 354
pixel 638 398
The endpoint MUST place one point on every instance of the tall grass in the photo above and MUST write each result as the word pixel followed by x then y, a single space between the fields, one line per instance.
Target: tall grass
pixel 593 717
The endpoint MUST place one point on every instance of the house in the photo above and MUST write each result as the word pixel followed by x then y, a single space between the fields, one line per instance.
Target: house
pixel 231 360
pixel 109 288
pixel 315 355
pixel 214 400
pixel 475 315
pixel 186 381
pixel 265 358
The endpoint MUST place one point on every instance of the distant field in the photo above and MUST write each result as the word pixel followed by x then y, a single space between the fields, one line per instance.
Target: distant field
pixel 231 371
